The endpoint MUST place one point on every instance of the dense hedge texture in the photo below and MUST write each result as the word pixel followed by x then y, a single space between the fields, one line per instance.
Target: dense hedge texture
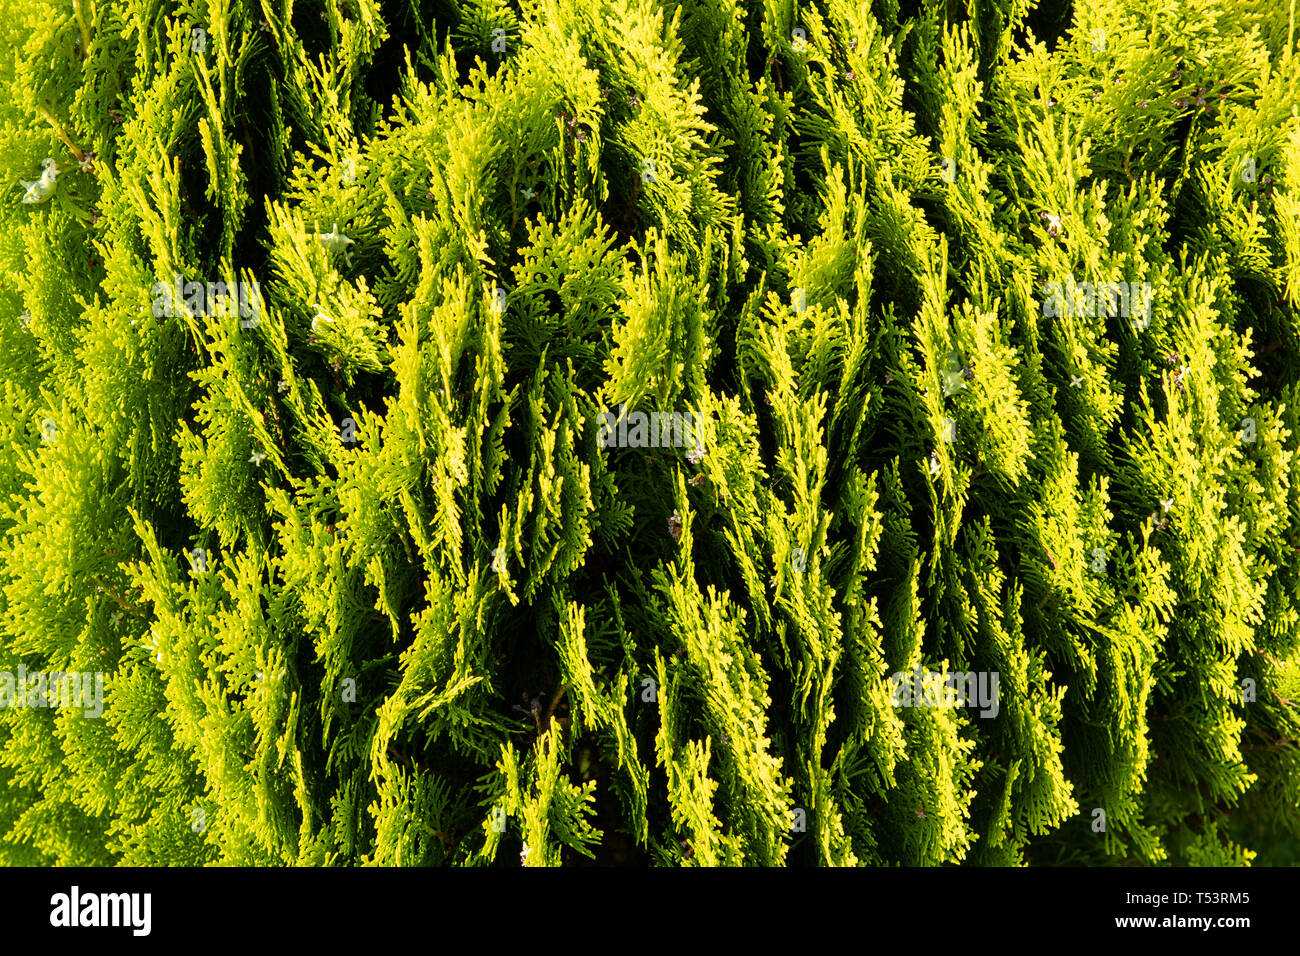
pixel 978 321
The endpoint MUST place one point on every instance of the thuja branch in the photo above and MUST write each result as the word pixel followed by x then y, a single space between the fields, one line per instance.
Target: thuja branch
pixel 545 723
pixel 85 30
pixel 111 592
pixel 58 128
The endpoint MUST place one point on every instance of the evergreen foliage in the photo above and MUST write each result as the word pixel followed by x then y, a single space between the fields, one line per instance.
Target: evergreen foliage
pixel 369 588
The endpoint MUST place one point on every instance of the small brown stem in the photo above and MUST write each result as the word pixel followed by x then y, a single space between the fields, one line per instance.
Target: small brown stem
pixel 107 591
pixel 81 157
pixel 400 758
pixel 554 703
pixel 445 838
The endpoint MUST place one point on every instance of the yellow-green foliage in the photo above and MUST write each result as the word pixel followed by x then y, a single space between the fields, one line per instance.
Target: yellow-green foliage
pixel 366 582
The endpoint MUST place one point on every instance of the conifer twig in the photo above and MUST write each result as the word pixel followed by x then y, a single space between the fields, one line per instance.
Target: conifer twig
pixel 445 838
pixel 85 30
pixel 559 696
pixel 112 595
pixel 58 128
